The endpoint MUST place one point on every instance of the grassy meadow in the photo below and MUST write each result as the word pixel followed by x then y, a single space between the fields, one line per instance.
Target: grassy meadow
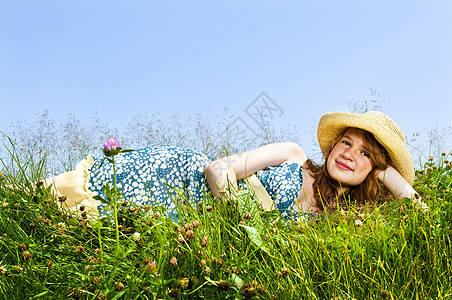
pixel 389 250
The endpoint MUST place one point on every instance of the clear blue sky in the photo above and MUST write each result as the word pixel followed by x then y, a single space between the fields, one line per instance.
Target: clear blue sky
pixel 310 57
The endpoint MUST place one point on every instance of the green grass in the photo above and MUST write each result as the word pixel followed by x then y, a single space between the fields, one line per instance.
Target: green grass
pixel 392 251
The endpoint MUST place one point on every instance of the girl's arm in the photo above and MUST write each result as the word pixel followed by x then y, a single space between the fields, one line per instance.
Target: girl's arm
pixel 396 184
pixel 227 170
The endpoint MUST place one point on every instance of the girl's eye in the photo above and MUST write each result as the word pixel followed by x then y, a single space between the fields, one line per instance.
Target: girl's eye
pixel 365 154
pixel 346 142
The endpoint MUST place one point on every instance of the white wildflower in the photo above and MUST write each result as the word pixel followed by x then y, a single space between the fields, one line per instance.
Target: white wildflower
pixel 136 236
pixel 420 205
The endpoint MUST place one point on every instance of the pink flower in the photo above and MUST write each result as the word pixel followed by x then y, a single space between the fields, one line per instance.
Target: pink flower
pixel 112 146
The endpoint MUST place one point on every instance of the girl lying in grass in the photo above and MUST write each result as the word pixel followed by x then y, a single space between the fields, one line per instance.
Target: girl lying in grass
pixel 362 151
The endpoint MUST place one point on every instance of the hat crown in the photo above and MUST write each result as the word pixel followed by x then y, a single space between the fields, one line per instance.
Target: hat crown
pixel 384 120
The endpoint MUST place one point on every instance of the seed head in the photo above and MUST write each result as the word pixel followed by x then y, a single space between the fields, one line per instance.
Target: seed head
pixel 174 293
pixel 151 267
pixel 207 271
pixel 248 291
pixel 195 223
pixel 285 272
pixel 183 282
pixel 80 249
pixel 173 261
pixel 26 255
pixel 224 285
pixel 18 269
pixel 444 154
pixel 209 208
pixel 119 286
pixel 202 263
pixel 188 226
pixel 204 241
pixel 49 263
pixel 62 198
pixel 247 215
pixel 189 235
pixel 358 223
pixel 21 247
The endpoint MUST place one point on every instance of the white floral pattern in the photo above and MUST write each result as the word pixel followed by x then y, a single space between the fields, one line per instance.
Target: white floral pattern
pixel 154 175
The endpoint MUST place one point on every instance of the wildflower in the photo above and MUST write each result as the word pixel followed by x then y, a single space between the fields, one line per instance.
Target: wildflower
pixel 195 223
pixel 96 280
pixel 420 205
pixel 209 208
pixel 435 167
pixel 181 239
pixel 174 293
pixel 102 296
pixel 223 285
pixel 39 183
pixel 128 277
pixel 97 251
pixel 248 291
pixel 152 267
pixel 80 249
pixel 247 215
pixel 26 255
pixel 204 241
pixel 2 270
pixel 21 247
pixel 431 158
pixel 207 271
pixel 173 261
pixel 183 282
pixel 189 235
pixel 83 277
pixel 241 222
pixel 118 286
pixel 285 272
pixel 17 269
pixel 384 294
pixel 136 236
pixel 92 260
pixel 202 263
pixel 187 226
pixel 358 223
pixel 112 147
pixel 444 154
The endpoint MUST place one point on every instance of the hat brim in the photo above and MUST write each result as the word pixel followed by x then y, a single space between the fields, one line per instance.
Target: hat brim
pixel 331 125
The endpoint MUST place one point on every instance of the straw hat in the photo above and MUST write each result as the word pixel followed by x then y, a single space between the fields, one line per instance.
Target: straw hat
pixel 385 131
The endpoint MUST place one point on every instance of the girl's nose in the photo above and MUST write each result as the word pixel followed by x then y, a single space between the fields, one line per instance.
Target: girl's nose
pixel 347 154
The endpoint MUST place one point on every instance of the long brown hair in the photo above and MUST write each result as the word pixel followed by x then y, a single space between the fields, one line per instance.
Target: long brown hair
pixel 325 187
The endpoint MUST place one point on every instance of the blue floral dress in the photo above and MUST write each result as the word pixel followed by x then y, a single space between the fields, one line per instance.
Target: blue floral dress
pixel 158 176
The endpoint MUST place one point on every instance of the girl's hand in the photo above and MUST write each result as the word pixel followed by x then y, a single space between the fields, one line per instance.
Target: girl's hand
pixel 222 174
pixel 396 184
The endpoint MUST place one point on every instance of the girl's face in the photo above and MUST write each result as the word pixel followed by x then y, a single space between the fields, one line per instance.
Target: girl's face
pixel 349 162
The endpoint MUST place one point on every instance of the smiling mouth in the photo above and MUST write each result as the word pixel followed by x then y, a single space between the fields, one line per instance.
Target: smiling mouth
pixel 343 166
